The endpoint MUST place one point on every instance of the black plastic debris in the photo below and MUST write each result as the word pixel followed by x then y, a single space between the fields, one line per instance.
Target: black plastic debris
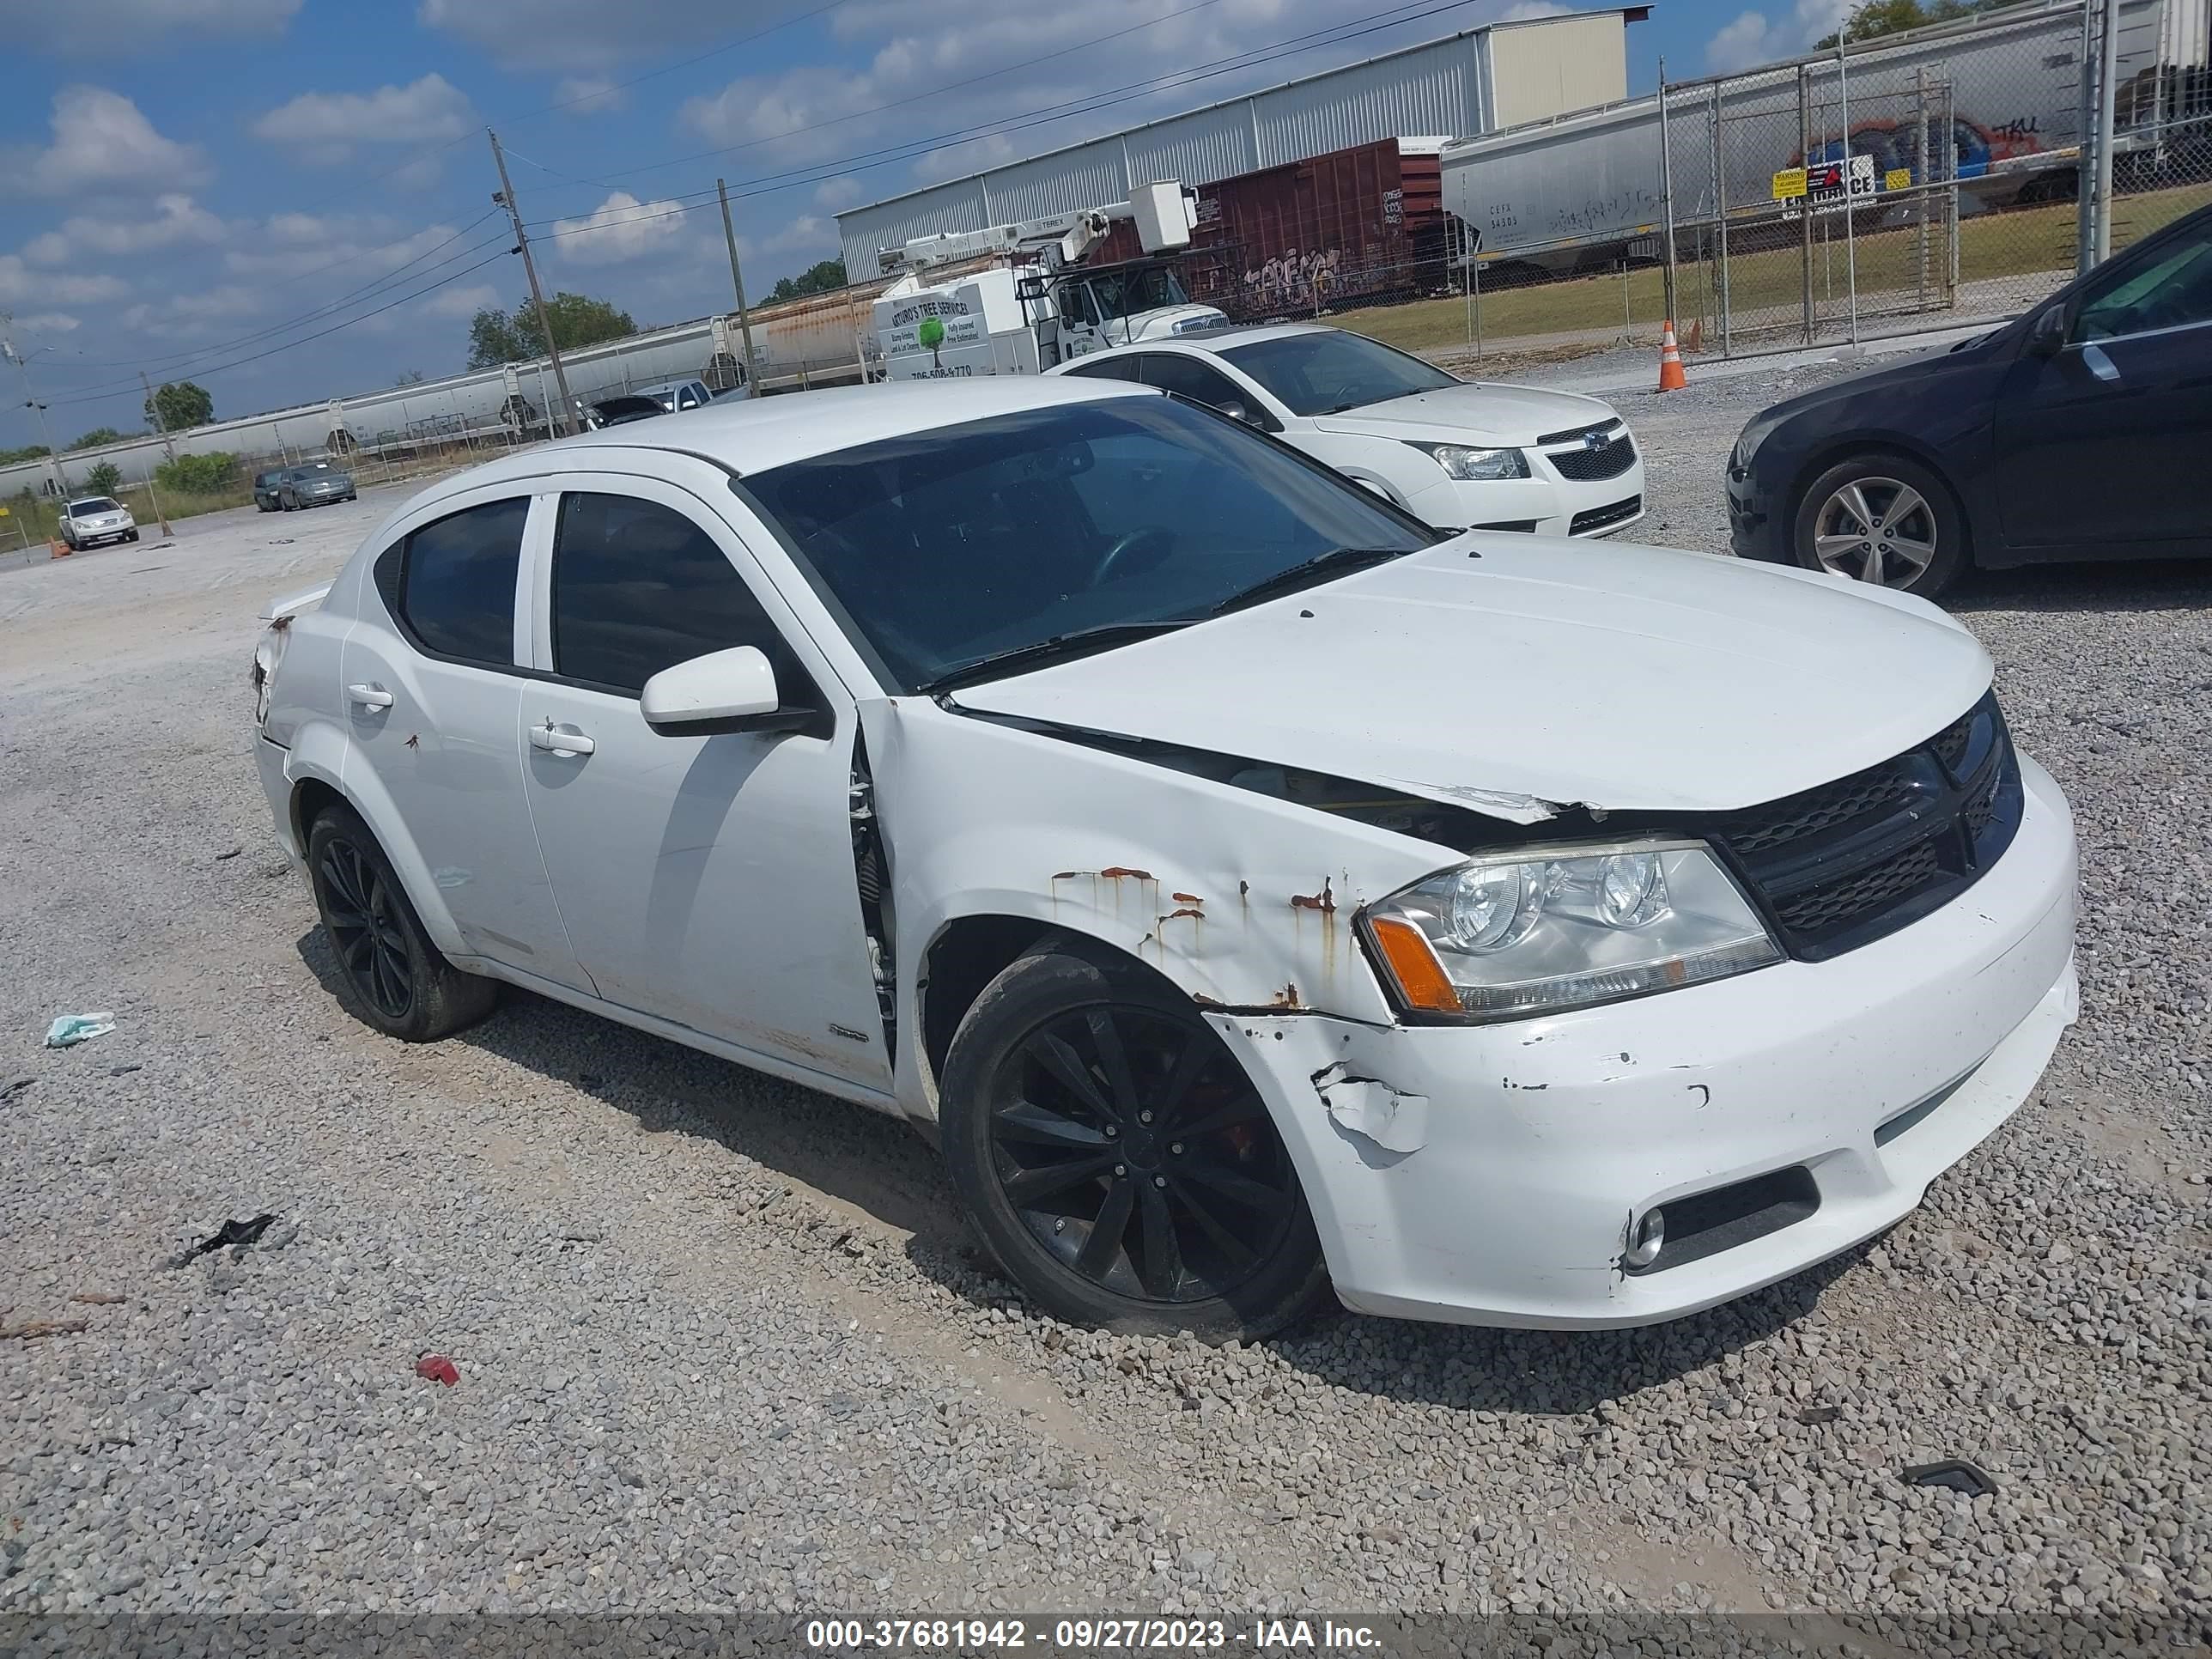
pixel 232 1234
pixel 1813 1416
pixel 229 852
pixel 12 1083
pixel 1954 1473
pixel 124 1071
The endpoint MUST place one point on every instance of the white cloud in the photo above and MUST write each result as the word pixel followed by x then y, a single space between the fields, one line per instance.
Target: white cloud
pixel 1738 45
pixel 176 218
pixel 1525 10
pixel 188 314
pixel 47 322
pixel 102 144
pixel 460 301
pixel 21 285
pixel 620 228
pixel 589 95
pixel 582 35
pixel 325 128
pixel 359 247
pixel 833 194
pixel 1752 38
pixel 105 27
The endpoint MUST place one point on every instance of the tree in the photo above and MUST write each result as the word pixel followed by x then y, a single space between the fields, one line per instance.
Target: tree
pixel 1872 18
pixel 578 320
pixel 815 279
pixel 97 436
pixel 176 405
pixel 412 377
pixel 197 475
pixel 105 479
pixel 27 453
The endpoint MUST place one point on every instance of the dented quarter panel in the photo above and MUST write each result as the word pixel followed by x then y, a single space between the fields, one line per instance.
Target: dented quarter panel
pixel 1241 900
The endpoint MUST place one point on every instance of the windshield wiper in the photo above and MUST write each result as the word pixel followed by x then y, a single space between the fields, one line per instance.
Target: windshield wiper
pixel 1077 642
pixel 1306 573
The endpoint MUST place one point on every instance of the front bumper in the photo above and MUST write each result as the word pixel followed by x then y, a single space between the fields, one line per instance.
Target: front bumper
pixel 1544 504
pixel 1754 532
pixel 1527 1152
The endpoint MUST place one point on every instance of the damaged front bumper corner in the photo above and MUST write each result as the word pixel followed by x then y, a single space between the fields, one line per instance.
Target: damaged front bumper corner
pixel 1498 1174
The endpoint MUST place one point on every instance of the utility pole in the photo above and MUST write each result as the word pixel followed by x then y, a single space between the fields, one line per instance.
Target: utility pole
pixel 162 427
pixel 31 402
pixel 738 280
pixel 2108 57
pixel 1667 188
pixel 505 198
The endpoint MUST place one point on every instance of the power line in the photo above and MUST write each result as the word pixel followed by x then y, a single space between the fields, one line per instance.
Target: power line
pixel 866 161
pixel 186 363
pixel 912 98
pixel 327 306
pixel 218 368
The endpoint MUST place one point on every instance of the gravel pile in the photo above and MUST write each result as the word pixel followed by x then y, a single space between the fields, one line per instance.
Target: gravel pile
pixel 719 1344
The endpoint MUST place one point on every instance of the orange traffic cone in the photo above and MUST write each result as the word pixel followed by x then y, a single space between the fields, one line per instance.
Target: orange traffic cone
pixel 1671 378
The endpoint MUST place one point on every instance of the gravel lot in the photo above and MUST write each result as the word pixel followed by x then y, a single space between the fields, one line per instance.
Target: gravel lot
pixel 721 1345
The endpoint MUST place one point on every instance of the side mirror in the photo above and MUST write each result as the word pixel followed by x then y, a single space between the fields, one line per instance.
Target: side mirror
pixel 1237 409
pixel 2046 335
pixel 731 691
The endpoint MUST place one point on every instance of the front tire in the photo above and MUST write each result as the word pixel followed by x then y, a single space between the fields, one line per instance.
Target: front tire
pixel 390 977
pixel 1116 1158
pixel 1881 518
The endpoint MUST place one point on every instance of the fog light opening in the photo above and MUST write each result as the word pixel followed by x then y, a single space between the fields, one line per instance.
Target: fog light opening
pixel 1646 1239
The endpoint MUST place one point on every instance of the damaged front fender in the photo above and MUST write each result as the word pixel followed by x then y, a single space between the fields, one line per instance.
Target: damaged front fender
pixel 1241 900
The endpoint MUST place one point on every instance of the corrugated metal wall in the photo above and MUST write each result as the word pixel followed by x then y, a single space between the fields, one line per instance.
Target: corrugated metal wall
pixel 1432 88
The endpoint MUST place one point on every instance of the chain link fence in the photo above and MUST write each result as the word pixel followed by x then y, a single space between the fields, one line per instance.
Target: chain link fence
pixel 1950 174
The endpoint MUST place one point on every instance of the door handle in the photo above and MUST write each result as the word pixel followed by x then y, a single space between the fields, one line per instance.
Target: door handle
pixel 370 697
pixel 554 741
pixel 2100 365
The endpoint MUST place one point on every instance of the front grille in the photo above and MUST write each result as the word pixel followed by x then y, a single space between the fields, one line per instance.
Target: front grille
pixel 1606 461
pixel 1597 518
pixel 1576 432
pixel 1851 861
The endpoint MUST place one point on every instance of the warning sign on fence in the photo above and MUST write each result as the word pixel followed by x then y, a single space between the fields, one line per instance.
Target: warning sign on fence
pixel 1789 184
pixel 1897 178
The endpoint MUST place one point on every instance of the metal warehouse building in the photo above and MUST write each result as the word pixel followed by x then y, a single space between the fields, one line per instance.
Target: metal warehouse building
pixel 1471 82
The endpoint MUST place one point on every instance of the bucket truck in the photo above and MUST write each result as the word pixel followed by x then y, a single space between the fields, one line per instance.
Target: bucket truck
pixel 1036 303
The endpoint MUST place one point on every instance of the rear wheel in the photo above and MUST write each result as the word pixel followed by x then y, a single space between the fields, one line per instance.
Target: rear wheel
pixel 1117 1159
pixel 390 977
pixel 1883 518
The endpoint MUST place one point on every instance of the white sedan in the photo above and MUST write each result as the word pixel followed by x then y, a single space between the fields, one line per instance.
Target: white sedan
pixel 1456 453
pixel 1256 892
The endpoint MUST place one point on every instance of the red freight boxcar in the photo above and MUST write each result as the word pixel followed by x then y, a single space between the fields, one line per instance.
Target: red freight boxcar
pixel 1359 226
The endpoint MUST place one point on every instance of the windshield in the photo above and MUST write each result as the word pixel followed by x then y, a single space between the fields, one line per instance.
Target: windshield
pixel 1324 373
pixel 92 508
pixel 1125 293
pixel 947 547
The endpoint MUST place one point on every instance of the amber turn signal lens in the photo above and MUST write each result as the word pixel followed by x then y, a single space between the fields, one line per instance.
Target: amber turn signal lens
pixel 1421 978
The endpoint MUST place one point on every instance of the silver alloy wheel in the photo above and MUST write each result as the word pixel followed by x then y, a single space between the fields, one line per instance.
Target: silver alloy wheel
pixel 1875 530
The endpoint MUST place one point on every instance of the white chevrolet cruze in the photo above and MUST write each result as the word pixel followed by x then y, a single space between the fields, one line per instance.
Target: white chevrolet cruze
pixel 1459 454
pixel 1256 892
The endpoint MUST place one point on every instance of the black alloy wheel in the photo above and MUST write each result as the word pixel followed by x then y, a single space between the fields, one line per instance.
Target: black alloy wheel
pixel 357 911
pixel 1118 1159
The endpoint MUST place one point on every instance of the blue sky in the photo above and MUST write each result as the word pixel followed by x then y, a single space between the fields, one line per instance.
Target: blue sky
pixel 290 199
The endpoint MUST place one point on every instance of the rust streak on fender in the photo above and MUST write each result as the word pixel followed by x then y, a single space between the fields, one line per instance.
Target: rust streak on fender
pixel 1199 916
pixel 1324 900
pixel 1120 872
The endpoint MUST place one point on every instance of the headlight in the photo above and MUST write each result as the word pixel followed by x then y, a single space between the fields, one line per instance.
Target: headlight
pixel 1509 935
pixel 1476 465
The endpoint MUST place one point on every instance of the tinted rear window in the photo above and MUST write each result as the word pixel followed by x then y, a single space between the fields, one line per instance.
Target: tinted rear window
pixel 457 583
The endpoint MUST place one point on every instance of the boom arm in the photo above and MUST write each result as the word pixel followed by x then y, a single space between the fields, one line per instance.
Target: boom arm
pixel 1164 212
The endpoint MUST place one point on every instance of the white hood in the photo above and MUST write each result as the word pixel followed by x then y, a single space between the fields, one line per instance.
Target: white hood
pixel 1478 409
pixel 1160 325
pixel 1545 672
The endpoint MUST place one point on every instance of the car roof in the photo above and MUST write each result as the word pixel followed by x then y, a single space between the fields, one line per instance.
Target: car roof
pixel 1215 339
pixel 752 434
